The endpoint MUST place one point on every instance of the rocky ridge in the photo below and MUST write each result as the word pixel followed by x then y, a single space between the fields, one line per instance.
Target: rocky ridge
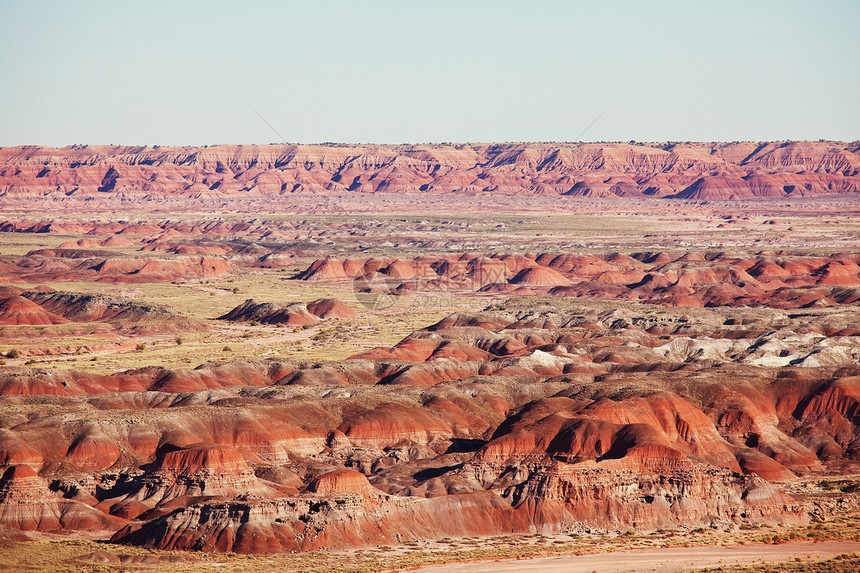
pixel 682 279
pixel 698 171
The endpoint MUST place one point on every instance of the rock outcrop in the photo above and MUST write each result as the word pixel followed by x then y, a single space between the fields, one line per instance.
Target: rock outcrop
pixel 27 504
pixel 528 417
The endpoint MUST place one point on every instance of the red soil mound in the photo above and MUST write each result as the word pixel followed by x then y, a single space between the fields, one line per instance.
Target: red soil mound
pixel 203 458
pixel 91 307
pixel 331 308
pixel 268 313
pixel 717 188
pixel 343 482
pixel 8 291
pixel 323 270
pixel 93 450
pixel 390 424
pixel 21 311
pixel 115 242
pixel 539 276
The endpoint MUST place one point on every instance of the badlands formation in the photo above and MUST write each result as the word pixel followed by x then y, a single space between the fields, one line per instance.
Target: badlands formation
pixel 700 171
pixel 276 349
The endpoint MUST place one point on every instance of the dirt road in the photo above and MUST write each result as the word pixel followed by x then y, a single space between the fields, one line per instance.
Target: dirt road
pixel 669 560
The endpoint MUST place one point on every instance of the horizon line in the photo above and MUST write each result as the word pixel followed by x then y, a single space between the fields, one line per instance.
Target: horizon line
pixel 436 144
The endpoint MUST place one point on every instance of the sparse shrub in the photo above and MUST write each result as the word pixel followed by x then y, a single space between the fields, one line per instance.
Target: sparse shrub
pixel 13 353
pixel 227 349
pixel 30 361
pixel 178 340
pixel 140 347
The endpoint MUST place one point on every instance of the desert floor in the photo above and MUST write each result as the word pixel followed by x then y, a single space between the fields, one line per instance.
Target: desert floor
pixel 661 560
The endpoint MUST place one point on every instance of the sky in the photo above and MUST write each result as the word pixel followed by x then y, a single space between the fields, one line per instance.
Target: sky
pixel 373 71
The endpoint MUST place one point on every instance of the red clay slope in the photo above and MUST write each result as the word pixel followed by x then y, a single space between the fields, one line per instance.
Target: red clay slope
pixel 18 310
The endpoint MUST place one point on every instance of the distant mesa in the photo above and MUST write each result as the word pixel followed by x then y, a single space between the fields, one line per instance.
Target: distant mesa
pixel 690 171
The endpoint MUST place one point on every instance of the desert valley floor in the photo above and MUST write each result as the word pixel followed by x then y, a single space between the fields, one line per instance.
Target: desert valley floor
pixel 375 368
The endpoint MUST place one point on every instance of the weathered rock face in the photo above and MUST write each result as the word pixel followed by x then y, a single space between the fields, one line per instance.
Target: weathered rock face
pixel 554 498
pixel 694 171
pixel 201 471
pixel 532 416
pixel 27 504
pixel 665 494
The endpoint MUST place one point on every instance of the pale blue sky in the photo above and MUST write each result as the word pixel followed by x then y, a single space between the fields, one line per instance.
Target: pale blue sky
pixel 400 71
